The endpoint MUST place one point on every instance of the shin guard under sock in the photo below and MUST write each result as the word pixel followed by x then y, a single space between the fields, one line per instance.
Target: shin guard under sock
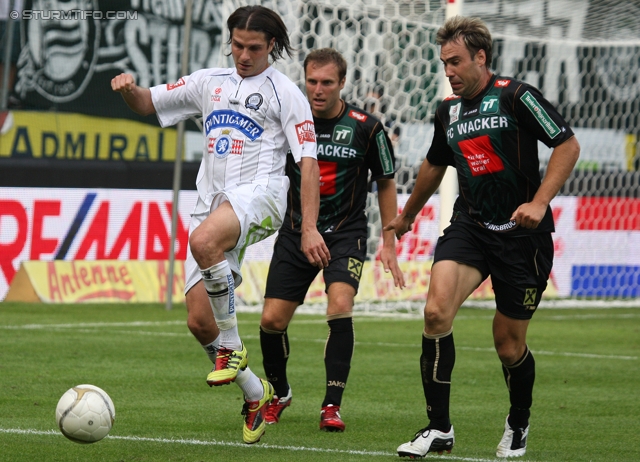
pixel 436 364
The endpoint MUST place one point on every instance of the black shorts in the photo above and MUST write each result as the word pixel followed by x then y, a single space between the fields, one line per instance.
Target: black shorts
pixel 519 266
pixel 291 274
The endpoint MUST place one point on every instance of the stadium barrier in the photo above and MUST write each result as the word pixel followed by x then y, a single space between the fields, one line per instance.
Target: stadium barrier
pixel 145 281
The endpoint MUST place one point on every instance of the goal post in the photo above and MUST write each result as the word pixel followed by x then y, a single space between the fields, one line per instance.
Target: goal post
pixel 584 55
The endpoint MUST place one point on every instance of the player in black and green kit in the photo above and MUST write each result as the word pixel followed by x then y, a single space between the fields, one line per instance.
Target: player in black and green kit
pixel 501 224
pixel 351 143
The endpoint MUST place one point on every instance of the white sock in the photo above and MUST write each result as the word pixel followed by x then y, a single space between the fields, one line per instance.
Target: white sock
pixel 212 349
pixel 250 384
pixel 218 281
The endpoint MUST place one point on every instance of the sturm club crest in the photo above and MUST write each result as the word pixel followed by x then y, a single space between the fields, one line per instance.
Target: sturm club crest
pixel 222 145
pixel 253 101
pixel 59 56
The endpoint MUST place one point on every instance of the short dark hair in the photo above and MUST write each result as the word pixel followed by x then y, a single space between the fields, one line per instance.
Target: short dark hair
pixel 473 31
pixel 260 19
pixel 325 56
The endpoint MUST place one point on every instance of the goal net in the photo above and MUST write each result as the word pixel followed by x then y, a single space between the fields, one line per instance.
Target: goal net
pixel 584 55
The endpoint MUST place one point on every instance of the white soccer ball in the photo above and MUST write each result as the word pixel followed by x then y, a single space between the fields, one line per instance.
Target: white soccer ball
pixel 85 414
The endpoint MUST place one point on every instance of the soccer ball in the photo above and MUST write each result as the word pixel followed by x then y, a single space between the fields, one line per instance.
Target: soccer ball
pixel 85 414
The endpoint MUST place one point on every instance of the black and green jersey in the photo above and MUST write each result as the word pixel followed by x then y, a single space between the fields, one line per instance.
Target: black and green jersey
pixel 492 141
pixel 349 146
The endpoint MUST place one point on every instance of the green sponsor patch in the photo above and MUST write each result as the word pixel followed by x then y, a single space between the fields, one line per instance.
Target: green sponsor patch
pixel 541 115
pixel 385 154
pixel 489 105
pixel 342 135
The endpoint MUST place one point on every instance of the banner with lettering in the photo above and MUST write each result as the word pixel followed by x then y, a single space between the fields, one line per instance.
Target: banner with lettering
pixel 70 51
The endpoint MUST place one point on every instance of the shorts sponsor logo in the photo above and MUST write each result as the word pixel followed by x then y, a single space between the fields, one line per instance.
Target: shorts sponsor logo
pixel 360 117
pixel 253 101
pixel 540 114
pixel 342 135
pixel 385 153
pixel 173 86
pixel 530 296
pixel 489 105
pixel 306 132
pixel 454 113
pixel 355 268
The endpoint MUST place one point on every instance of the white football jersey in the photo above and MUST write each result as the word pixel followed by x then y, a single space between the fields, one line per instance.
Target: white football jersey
pixel 249 124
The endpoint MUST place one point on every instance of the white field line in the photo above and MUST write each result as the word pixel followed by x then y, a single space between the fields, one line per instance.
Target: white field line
pixel 193 442
pixel 94 327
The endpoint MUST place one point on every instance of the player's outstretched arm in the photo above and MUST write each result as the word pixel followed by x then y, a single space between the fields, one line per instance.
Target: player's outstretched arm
pixel 313 245
pixel 429 178
pixel 388 203
pixel 137 98
pixel 561 163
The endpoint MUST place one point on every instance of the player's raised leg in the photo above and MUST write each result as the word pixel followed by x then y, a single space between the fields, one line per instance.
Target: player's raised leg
pixel 218 233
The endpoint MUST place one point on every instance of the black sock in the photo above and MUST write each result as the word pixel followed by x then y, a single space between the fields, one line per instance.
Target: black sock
pixel 337 358
pixel 275 353
pixel 519 378
pixel 436 364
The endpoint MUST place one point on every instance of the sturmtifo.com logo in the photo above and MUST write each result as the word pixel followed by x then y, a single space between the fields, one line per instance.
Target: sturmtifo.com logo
pixel 78 15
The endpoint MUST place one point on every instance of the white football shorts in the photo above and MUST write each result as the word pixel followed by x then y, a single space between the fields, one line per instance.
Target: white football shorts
pixel 260 208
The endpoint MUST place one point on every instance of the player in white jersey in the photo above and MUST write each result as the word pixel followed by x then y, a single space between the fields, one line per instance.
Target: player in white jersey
pixel 252 116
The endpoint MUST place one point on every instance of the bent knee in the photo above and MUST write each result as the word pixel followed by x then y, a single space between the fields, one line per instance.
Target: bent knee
pixel 273 322
pixel 509 352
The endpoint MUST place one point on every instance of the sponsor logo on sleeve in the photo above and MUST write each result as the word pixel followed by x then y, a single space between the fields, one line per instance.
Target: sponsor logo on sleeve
pixel 306 132
pixel 385 153
pixel 540 114
pixel 173 86
pixel 360 117
pixel 342 135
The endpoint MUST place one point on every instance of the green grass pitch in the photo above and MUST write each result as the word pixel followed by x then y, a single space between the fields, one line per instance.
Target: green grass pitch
pixel 586 399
